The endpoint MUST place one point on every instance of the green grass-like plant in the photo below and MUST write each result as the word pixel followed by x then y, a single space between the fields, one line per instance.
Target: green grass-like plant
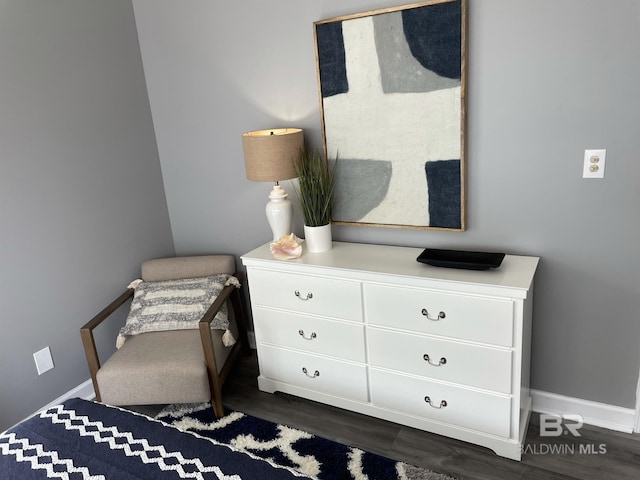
pixel 316 182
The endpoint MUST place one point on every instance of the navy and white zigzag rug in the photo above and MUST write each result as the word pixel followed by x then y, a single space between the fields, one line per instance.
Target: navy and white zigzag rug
pixel 308 454
pixel 81 440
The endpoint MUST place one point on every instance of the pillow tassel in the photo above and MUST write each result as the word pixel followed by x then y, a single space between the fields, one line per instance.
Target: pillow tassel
pixel 227 339
pixel 133 285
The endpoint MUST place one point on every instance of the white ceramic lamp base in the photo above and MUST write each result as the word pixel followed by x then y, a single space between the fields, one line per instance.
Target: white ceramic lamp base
pixel 279 212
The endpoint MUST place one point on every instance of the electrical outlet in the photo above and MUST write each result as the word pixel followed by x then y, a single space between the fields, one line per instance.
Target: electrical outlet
pixel 593 166
pixel 43 359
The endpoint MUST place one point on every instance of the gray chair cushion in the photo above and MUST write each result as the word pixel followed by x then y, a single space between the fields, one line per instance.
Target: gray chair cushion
pixel 160 367
pixel 187 267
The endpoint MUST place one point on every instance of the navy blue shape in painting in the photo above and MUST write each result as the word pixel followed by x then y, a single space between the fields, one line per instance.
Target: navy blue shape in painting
pixel 331 59
pixel 433 35
pixel 443 181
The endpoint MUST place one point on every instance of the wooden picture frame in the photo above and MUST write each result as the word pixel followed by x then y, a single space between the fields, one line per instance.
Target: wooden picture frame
pixel 392 86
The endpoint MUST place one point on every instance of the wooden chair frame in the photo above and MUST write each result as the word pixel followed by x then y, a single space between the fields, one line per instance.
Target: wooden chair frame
pixel 216 379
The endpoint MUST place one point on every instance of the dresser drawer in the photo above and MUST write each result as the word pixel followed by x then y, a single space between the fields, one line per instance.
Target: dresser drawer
pixel 470 365
pixel 321 374
pixel 311 334
pixel 466 408
pixel 323 296
pixel 473 318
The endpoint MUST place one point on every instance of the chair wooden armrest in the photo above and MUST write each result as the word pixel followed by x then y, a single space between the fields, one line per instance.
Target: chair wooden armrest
pixel 217 305
pixel 231 293
pixel 108 310
pixel 217 378
pixel 205 333
pixel 88 341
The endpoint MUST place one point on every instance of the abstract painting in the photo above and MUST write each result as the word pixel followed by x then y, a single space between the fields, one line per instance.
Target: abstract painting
pixel 392 97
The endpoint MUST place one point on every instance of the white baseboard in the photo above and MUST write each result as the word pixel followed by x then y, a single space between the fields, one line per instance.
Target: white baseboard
pixel 593 413
pixel 84 391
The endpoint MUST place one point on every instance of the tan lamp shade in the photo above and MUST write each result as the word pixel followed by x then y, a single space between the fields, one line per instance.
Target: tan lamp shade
pixel 270 155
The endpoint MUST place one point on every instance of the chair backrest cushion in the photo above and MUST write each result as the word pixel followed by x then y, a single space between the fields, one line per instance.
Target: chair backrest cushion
pixel 175 268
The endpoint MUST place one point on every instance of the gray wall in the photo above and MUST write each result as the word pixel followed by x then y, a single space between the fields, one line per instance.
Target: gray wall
pixel 81 193
pixel 547 79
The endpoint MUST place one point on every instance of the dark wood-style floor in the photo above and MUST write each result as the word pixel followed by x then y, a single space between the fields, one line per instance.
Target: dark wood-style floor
pixel 441 454
pixel 604 455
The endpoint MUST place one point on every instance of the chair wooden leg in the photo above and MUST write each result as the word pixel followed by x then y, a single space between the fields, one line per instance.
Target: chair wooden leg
pixel 93 362
pixel 216 404
pixel 215 382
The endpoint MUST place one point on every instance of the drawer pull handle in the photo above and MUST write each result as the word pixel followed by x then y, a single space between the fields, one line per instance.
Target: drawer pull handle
pixel 440 316
pixel 306 372
pixel 443 403
pixel 308 297
pixel 310 337
pixel 443 360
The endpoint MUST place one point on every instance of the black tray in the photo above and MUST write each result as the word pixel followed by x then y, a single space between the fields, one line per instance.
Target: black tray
pixel 460 259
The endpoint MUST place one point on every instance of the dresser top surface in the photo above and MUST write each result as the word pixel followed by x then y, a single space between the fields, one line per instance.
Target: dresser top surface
pixel 515 272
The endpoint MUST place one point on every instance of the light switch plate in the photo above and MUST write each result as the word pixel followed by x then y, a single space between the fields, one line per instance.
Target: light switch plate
pixel 593 166
pixel 43 359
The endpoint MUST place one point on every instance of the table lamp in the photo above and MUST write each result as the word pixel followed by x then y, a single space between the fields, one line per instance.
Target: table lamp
pixel 270 156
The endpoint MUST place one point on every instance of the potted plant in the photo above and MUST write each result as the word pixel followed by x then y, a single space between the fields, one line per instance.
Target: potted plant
pixel 316 182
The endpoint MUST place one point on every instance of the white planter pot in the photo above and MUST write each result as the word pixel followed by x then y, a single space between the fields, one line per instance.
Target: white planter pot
pixel 318 239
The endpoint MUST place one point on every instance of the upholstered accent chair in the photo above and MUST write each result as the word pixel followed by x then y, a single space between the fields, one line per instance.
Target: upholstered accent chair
pixel 172 366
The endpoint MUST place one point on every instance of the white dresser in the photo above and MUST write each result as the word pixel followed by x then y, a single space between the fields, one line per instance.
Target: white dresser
pixel 369 329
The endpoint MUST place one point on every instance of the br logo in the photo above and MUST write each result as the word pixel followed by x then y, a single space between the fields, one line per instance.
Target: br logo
pixel 554 426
